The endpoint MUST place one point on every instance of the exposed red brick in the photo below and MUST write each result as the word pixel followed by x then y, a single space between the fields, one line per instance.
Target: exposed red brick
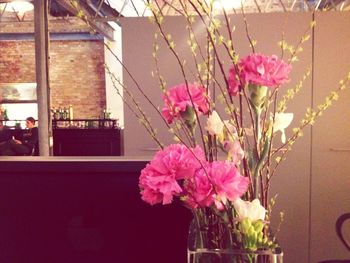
pixel 77 75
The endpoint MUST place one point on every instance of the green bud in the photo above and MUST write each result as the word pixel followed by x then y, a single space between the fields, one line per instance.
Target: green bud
pixel 251 231
pixel 255 237
pixel 265 240
pixel 258 225
pixel 260 237
pixel 245 225
pixel 189 114
pixel 189 118
pixel 257 95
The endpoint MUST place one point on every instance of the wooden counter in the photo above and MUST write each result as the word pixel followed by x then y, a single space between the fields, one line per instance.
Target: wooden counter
pixel 88 142
pixel 84 210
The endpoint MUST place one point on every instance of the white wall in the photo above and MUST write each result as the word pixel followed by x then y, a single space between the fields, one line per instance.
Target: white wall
pixel 114 103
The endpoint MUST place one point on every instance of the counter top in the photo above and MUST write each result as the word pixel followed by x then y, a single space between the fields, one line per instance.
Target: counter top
pixel 118 159
pixel 86 165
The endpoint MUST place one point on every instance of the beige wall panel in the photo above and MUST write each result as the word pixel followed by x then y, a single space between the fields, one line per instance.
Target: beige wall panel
pixel 138 39
pixel 330 169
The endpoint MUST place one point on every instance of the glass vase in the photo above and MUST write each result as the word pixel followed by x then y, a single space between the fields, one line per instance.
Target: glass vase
pixel 204 246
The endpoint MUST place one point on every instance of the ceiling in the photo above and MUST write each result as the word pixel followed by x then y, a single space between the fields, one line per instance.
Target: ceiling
pixel 109 10
pixel 130 8
pixel 169 7
pixel 102 14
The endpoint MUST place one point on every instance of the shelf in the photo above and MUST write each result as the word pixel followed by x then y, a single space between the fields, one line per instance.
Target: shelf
pixel 85 124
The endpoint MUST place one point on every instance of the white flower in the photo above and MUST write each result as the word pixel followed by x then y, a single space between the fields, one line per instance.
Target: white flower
pixel 251 210
pixel 234 150
pixel 231 129
pixel 282 121
pixel 215 126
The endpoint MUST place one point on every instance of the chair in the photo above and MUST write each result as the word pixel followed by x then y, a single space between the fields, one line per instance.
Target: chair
pixel 31 153
pixel 338 227
pixel 36 150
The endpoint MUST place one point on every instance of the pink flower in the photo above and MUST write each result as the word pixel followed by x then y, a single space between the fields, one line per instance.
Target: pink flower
pixel 229 183
pixel 159 180
pixel 157 187
pixel 264 70
pixel 179 159
pixel 200 191
pixel 177 99
pixel 233 82
pixel 219 182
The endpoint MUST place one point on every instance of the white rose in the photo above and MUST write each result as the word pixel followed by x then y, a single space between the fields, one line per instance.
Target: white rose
pixel 251 210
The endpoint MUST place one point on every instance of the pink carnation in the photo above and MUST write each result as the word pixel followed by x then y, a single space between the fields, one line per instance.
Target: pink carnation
pixel 233 82
pixel 157 187
pixel 199 190
pixel 159 180
pixel 177 99
pixel 229 183
pixel 219 182
pixel 264 70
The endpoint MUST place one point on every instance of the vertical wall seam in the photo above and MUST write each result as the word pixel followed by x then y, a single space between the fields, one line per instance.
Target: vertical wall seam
pixel 311 135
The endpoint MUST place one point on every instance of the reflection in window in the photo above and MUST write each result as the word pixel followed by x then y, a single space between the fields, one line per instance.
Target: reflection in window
pixel 18 112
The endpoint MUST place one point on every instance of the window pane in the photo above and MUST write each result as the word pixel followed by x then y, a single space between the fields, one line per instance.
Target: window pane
pixel 20 111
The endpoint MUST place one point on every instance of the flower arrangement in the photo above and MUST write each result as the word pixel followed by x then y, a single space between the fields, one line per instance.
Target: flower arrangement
pixel 225 156
pixel 228 190
pixel 228 143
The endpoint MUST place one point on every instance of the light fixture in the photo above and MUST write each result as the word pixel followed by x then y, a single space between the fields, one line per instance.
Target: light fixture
pixel 17 6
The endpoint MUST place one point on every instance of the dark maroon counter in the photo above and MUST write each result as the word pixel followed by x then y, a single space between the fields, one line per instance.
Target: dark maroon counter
pixel 88 210
pixel 88 142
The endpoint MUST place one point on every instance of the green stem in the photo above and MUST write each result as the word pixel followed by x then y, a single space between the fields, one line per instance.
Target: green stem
pixel 259 165
pixel 196 215
pixel 257 112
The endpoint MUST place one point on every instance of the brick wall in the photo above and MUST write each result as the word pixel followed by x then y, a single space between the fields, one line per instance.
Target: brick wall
pixel 17 61
pixel 77 77
pixel 76 67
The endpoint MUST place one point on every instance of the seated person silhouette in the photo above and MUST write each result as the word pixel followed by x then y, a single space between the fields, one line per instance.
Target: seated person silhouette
pixel 24 146
pixel 5 136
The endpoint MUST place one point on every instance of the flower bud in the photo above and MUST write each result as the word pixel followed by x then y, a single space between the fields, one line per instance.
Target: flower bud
pixel 257 95
pixel 189 115
pixel 249 210
pixel 258 225
pixel 260 237
pixel 245 225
